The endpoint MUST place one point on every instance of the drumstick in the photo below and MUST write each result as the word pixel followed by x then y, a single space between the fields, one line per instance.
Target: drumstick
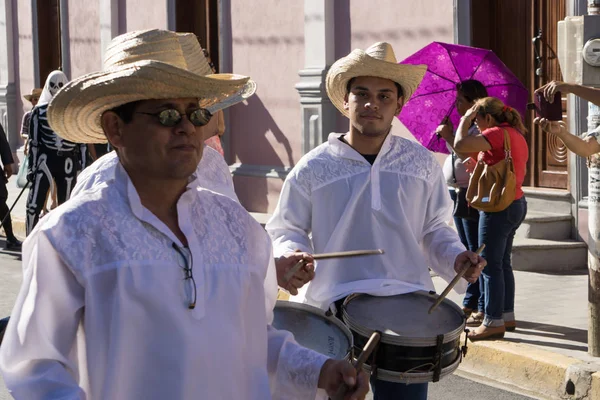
pixel 322 256
pixel 454 281
pixel 363 356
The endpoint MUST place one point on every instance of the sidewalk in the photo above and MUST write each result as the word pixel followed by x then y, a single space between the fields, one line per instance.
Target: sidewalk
pixel 546 357
pixel 549 346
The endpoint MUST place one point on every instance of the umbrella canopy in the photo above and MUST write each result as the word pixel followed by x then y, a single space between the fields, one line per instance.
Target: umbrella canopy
pixel 447 66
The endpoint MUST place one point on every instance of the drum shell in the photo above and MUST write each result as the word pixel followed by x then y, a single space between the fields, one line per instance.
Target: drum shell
pixel 410 359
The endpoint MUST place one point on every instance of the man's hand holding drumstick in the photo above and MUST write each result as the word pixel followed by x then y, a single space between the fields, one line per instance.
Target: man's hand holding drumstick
pixel 476 264
pixel 301 277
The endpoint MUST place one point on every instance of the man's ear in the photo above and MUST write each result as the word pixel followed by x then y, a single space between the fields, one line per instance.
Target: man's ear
pixel 111 125
pixel 346 104
pixel 399 105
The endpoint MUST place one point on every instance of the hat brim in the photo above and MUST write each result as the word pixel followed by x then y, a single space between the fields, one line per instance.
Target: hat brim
pixel 358 63
pixel 74 113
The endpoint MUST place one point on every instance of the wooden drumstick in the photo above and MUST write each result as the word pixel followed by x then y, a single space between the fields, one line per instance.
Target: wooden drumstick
pixel 363 356
pixel 353 253
pixel 454 281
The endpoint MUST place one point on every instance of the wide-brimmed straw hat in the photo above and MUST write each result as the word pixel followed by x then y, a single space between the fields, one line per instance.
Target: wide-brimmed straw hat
pixel 140 65
pixel 379 61
pixel 34 93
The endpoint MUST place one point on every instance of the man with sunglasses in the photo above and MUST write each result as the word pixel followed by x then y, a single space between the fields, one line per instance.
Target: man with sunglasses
pixel 149 286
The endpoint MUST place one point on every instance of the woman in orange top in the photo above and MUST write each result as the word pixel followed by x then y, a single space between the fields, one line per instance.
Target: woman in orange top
pixel 497 229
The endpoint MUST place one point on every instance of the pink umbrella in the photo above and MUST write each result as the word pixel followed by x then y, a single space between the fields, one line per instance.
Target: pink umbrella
pixel 447 66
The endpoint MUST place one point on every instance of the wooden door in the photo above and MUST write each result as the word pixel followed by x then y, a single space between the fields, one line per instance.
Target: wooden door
pixel 201 18
pixel 508 27
pixel 48 24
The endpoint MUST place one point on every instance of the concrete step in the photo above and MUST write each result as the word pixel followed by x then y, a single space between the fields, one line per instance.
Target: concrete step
pixel 549 256
pixel 543 225
pixel 548 200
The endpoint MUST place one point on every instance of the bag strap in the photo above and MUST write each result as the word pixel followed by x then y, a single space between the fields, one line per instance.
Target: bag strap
pixel 453 171
pixel 507 149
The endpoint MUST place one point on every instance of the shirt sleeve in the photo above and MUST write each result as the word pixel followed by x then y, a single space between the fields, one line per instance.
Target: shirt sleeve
pixel 294 370
pixel 441 244
pixel 290 224
pixel 38 354
pixel 25 124
pixel 495 137
pixel 594 133
pixel 5 151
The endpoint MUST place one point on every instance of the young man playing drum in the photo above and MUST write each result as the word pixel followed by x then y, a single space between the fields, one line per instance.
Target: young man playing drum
pixel 149 286
pixel 368 189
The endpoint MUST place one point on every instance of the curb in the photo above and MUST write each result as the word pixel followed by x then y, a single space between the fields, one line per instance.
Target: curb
pixel 541 372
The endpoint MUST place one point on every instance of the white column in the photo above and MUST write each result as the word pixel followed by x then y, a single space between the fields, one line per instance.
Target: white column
pixel 65 38
pixel 318 114
pixel 109 22
pixel 462 22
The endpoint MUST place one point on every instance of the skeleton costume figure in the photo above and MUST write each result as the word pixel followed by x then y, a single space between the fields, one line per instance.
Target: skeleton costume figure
pixel 50 156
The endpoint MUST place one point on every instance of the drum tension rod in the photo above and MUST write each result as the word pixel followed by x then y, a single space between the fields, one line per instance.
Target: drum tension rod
pixel 439 351
pixel 464 349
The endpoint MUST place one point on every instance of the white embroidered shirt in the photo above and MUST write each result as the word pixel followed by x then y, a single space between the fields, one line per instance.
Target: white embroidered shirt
pixel 103 309
pixel 399 204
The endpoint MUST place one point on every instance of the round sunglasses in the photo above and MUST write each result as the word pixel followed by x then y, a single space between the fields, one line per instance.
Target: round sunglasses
pixel 171 117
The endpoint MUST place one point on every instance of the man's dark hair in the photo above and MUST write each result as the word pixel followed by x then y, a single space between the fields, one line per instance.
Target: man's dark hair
pixel 398 87
pixel 125 111
pixel 472 90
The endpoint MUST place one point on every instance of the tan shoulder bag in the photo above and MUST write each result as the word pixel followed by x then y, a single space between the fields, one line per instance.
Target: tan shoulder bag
pixel 492 188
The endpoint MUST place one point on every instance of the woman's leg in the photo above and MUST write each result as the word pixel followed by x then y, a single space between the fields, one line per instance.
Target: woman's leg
pixel 516 216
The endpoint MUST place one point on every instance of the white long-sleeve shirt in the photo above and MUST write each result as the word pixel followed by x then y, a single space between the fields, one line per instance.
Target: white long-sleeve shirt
pixel 102 275
pixel 399 204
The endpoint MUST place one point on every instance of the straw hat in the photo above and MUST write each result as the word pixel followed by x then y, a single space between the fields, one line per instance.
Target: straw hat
pixel 34 93
pixel 379 61
pixel 139 65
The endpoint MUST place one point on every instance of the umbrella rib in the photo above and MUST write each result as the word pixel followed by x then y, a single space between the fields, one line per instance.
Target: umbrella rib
pixel 520 85
pixel 454 65
pixel 430 93
pixel 441 76
pixel 480 62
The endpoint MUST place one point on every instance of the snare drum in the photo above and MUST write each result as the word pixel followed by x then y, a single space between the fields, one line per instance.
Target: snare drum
pixel 313 329
pixel 415 346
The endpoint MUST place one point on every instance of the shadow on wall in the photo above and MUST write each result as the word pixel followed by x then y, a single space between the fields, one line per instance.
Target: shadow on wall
pixel 253 149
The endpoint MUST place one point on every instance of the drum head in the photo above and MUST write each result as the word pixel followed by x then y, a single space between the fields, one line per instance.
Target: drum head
pixel 404 315
pixel 313 329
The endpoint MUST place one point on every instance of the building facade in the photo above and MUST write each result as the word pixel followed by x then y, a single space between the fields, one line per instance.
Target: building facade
pixel 287 47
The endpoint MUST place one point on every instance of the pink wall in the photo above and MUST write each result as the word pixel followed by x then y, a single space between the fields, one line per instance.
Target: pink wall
pixel 407 25
pixel 268 45
pixel 84 33
pixel 145 14
pixel 267 131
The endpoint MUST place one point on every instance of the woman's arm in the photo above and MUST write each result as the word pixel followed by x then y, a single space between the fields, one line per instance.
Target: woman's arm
pixel 583 147
pixel 465 143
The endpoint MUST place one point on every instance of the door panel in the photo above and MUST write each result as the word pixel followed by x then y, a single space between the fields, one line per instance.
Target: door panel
pixel 552 169
pixel 507 27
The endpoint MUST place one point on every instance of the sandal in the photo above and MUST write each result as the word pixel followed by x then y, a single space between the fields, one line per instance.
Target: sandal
pixel 475 319
pixel 486 332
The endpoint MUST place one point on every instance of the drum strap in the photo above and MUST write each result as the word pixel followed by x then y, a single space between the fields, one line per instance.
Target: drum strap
pixel 439 350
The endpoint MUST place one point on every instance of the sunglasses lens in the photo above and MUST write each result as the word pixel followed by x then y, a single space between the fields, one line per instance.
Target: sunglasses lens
pixel 169 117
pixel 200 117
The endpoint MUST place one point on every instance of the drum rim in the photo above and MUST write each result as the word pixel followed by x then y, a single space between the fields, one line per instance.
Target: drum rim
pixel 404 340
pixel 412 377
pixel 317 311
